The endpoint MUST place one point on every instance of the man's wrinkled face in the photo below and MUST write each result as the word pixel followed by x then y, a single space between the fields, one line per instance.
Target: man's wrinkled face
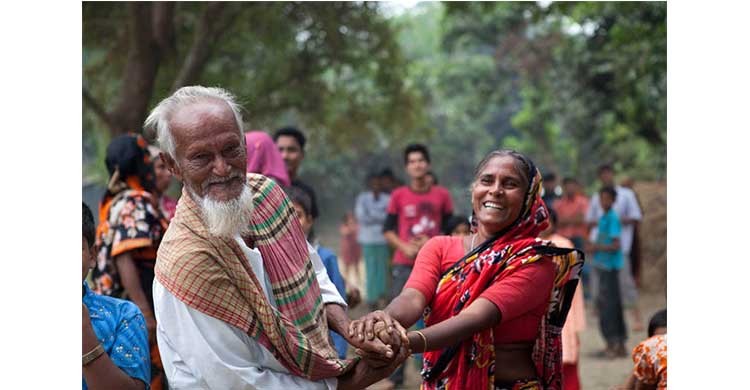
pixel 291 152
pixel 210 156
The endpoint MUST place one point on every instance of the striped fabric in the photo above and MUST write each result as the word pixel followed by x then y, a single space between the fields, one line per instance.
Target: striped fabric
pixel 212 275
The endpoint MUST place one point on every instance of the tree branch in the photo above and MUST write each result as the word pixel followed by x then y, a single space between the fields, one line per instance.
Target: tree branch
pixel 215 21
pixel 91 102
pixel 163 26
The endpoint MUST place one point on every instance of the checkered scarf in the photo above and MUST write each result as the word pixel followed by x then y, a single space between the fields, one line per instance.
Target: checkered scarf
pixel 212 275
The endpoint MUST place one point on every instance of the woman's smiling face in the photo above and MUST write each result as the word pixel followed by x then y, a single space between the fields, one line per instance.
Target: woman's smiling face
pixel 497 194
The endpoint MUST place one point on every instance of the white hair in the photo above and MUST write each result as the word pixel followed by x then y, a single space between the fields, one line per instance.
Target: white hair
pixel 158 120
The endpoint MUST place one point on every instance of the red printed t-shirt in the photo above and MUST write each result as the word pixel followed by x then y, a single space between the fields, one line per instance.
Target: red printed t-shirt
pixel 418 214
pixel 568 208
pixel 521 297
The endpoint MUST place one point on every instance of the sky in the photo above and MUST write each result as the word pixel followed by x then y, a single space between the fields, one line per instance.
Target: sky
pixel 396 8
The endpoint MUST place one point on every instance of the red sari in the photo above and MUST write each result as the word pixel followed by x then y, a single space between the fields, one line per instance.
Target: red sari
pixel 470 363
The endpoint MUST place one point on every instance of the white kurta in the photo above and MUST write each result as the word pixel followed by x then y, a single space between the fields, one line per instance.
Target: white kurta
pixel 201 352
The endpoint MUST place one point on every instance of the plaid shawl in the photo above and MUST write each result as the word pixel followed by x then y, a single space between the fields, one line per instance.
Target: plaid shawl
pixel 470 364
pixel 212 275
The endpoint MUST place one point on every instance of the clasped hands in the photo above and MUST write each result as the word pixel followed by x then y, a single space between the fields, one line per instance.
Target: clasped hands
pixel 379 339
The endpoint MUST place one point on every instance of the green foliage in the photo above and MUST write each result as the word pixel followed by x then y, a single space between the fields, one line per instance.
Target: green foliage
pixel 335 69
pixel 573 84
pixel 591 80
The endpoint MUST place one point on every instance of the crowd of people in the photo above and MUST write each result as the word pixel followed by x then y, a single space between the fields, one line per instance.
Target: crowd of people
pixel 229 286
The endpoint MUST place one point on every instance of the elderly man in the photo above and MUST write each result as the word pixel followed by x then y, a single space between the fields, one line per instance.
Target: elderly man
pixel 242 301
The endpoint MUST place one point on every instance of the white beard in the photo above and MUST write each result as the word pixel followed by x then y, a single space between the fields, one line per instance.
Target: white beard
pixel 230 218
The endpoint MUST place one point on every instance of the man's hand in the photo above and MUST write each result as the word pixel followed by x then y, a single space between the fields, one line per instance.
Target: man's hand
pixel 410 249
pixel 377 337
pixel 364 327
pixel 377 351
pixel 419 241
pixel 363 375
pixel 391 340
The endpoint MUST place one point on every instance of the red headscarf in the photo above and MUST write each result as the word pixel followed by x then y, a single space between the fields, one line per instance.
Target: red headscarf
pixel 263 157
pixel 471 363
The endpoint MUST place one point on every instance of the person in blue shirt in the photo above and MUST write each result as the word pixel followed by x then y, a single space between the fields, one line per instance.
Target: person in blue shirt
pixel 302 206
pixel 608 261
pixel 115 339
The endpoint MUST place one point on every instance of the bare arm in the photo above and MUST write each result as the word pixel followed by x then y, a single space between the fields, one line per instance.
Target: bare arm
pixel 480 315
pixel 132 284
pixel 407 307
pixel 102 373
pixel 615 245
pixel 338 321
pixel 407 248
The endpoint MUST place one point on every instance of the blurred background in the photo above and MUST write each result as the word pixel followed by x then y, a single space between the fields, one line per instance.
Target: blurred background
pixel 573 85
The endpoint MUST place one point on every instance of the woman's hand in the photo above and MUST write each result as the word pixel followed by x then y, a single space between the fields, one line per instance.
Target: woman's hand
pixel 378 351
pixel 377 337
pixel 363 328
pixel 391 341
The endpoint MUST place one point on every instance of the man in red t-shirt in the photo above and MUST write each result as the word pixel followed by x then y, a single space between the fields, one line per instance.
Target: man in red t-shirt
pixel 415 213
pixel 571 211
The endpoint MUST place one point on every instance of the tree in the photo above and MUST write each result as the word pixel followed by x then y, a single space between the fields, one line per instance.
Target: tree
pixel 589 79
pixel 335 67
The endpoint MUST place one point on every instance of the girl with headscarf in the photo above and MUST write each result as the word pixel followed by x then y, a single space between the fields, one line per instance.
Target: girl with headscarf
pixel 494 302
pixel 263 157
pixel 163 178
pixel 130 229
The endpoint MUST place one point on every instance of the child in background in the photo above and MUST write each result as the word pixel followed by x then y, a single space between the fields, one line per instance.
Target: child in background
pixel 607 263
pixel 576 320
pixel 351 252
pixel 302 206
pixel 457 225
pixel 650 357
pixel 114 356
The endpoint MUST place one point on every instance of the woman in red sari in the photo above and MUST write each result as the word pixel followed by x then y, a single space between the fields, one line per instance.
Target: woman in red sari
pixel 494 302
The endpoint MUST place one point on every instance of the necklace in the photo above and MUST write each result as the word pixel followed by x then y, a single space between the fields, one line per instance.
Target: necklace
pixel 472 242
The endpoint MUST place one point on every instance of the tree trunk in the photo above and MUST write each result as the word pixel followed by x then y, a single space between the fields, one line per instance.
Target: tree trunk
pixel 151 37
pixel 139 73
pixel 216 19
